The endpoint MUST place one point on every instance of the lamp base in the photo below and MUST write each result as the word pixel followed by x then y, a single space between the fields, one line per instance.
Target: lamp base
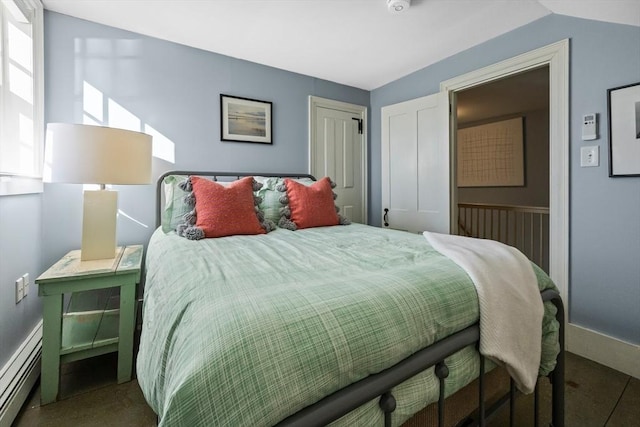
pixel 99 225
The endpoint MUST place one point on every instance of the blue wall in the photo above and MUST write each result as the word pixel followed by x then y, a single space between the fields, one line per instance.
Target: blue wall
pixel 174 89
pixel 604 212
pixel 20 246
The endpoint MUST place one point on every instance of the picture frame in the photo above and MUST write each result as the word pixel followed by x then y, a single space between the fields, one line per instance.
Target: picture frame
pixel 245 120
pixel 491 154
pixel 623 108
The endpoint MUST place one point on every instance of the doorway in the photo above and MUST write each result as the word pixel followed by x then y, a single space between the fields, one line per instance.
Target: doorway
pixel 556 56
pixel 502 163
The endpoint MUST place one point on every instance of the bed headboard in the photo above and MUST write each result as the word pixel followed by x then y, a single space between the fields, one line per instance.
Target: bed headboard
pixel 215 176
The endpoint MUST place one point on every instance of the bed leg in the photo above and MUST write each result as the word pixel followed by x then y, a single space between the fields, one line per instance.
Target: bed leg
pixel 557 390
pixel 481 408
pixel 557 376
pixel 512 402
pixel 536 406
pixel 442 372
pixel 388 404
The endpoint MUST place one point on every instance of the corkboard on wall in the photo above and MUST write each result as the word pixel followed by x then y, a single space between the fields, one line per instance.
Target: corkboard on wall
pixel 491 155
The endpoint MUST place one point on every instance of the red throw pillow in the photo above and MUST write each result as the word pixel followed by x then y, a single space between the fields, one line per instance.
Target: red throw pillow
pixel 311 206
pixel 225 211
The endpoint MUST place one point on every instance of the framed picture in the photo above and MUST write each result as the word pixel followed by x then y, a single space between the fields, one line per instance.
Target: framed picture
pixel 492 154
pixel 245 120
pixel 623 105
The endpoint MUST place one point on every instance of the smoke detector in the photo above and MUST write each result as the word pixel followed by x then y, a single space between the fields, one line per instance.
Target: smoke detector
pixel 397 6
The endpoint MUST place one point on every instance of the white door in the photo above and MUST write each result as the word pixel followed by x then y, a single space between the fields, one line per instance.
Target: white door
pixel 337 151
pixel 415 164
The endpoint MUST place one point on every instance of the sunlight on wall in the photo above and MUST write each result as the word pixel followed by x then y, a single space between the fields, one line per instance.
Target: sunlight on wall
pixel 120 117
pixel 130 218
pixel 163 147
pixel 92 105
pixel 93 109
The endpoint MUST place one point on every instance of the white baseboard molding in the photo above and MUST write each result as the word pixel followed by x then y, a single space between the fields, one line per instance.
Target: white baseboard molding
pixel 614 353
pixel 18 376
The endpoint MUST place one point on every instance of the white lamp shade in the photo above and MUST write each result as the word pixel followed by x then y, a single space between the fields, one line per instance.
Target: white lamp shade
pixel 84 154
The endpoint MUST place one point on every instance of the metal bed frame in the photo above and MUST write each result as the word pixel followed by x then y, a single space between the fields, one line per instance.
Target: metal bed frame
pixel 380 385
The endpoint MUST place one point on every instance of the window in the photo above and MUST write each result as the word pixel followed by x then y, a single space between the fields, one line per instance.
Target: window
pixel 21 96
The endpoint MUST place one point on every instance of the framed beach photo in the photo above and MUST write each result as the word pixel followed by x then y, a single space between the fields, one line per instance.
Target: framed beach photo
pixel 245 120
pixel 624 130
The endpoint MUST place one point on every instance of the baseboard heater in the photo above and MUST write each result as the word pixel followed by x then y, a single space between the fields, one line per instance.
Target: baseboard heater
pixel 18 376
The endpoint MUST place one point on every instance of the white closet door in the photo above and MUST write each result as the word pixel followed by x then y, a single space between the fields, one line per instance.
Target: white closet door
pixel 339 154
pixel 415 165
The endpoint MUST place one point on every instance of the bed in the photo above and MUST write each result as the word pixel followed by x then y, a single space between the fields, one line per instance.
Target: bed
pixel 349 325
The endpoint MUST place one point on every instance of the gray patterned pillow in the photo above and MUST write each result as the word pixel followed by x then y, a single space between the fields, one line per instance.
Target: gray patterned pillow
pixel 270 197
pixel 174 206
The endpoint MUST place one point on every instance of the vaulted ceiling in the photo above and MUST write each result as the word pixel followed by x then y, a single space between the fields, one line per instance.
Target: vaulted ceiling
pixel 353 42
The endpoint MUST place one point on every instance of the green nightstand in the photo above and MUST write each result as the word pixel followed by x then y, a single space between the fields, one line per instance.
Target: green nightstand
pixel 72 275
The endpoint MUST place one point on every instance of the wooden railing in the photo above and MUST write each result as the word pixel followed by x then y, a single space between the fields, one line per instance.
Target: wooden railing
pixel 524 227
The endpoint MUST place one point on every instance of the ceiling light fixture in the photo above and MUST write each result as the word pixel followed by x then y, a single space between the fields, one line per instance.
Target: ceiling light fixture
pixel 397 6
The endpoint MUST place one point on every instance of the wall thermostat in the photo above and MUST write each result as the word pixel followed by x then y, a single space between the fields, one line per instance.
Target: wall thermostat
pixel 589 124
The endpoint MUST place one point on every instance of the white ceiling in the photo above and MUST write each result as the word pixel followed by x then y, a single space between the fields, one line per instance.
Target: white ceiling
pixel 353 42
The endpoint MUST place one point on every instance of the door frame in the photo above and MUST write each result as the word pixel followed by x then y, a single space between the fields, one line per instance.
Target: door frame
pixel 316 102
pixel 556 56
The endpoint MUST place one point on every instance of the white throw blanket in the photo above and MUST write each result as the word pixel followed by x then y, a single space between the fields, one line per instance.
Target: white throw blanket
pixel 511 309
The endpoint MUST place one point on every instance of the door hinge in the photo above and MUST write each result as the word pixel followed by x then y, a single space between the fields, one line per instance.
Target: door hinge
pixel 359 124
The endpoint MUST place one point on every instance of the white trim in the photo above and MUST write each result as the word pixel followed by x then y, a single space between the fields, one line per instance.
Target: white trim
pixel 361 111
pixel 38 76
pixel 22 184
pixel 614 353
pixel 18 376
pixel 556 56
pixel 14 185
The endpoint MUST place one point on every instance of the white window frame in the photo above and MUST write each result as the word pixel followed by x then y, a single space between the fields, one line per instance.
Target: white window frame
pixel 12 183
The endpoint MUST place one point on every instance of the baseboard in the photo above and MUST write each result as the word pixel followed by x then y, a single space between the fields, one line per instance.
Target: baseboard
pixel 614 353
pixel 19 375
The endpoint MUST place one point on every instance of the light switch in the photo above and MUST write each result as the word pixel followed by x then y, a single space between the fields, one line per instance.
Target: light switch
pixel 19 289
pixel 589 156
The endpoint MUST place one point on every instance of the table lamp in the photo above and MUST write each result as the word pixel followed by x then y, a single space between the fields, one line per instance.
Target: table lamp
pixel 84 154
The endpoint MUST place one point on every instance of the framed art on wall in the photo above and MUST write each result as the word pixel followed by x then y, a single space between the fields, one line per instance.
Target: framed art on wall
pixel 245 120
pixel 623 105
pixel 492 154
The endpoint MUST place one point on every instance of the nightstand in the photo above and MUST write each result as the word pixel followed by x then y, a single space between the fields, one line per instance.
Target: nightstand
pixel 69 275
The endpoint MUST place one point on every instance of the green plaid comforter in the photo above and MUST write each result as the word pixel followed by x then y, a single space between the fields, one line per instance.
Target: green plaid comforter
pixel 247 330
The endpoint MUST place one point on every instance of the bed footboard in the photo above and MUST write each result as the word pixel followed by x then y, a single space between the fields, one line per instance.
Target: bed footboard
pixel 380 385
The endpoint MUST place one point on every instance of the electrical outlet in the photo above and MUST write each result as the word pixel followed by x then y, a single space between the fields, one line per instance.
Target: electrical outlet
pixel 19 289
pixel 25 279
